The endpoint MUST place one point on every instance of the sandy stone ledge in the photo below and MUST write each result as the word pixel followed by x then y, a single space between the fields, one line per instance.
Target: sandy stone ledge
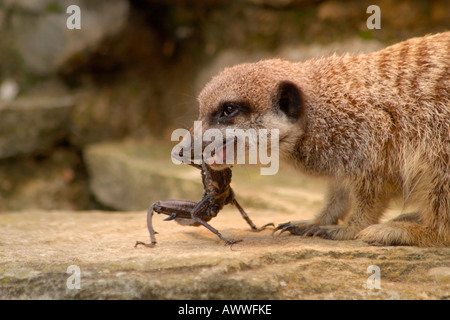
pixel 36 249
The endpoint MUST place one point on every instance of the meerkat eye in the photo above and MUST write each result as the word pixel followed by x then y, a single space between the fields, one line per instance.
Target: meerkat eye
pixel 226 111
pixel 229 109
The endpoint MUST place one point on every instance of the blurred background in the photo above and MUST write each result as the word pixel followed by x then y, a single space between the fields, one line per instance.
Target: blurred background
pixel 86 115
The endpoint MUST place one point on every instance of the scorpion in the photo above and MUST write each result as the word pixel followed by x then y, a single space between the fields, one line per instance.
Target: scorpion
pixel 217 194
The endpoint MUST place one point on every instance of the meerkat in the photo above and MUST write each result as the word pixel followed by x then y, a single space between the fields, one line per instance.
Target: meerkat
pixel 375 125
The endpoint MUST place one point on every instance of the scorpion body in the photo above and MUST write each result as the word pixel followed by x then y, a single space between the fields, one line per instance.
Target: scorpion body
pixel 217 194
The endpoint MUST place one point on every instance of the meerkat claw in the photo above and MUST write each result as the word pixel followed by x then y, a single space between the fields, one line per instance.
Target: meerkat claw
pixel 281 227
pixel 288 226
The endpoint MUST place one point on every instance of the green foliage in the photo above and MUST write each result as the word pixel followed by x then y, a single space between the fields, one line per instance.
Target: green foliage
pixel 54 7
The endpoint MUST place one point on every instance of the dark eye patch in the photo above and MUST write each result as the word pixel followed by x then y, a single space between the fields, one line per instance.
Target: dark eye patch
pixel 228 110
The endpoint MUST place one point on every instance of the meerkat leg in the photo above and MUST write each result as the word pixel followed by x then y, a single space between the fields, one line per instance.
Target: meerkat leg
pixel 337 205
pixel 408 217
pixel 430 228
pixel 394 233
pixel 368 206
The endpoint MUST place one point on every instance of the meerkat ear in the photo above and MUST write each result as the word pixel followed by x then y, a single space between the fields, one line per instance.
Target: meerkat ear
pixel 288 99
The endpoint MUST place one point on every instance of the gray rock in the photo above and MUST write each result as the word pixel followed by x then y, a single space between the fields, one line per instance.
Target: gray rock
pixel 43 40
pixel 51 182
pixel 33 125
pixel 278 3
pixel 131 176
pixel 2 19
pixel 35 6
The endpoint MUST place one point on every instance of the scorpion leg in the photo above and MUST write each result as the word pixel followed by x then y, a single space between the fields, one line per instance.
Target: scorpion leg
pixel 172 216
pixel 176 209
pixel 196 213
pixel 150 228
pixel 247 218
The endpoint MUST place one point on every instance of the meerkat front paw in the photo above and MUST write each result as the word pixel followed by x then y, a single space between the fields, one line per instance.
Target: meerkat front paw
pixel 297 228
pixel 332 232
pixel 309 229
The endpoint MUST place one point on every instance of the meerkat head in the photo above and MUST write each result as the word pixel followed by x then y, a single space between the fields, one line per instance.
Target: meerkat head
pixel 248 99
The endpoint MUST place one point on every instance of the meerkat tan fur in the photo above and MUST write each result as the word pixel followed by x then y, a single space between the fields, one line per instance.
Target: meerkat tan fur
pixel 376 125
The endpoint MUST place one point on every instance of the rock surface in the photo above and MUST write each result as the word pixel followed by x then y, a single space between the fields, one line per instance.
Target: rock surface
pixel 42 38
pixel 131 176
pixel 33 125
pixel 47 182
pixel 37 248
